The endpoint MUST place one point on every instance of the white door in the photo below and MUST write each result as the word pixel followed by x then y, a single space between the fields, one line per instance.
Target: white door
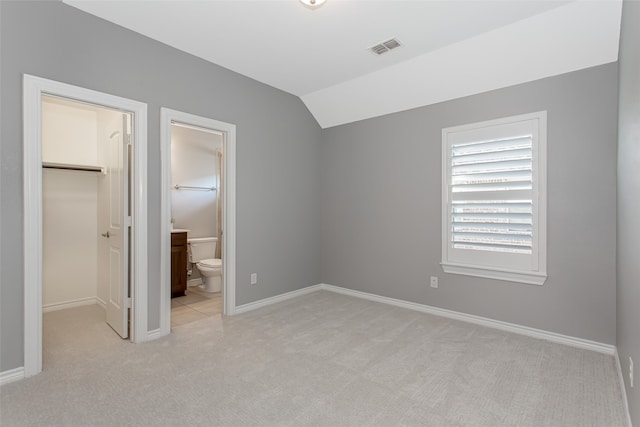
pixel 116 234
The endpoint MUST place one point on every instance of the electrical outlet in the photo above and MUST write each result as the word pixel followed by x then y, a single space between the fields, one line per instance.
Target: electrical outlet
pixel 434 281
pixel 630 371
pixel 254 278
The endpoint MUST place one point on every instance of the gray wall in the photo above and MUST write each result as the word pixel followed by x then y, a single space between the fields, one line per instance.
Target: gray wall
pixel 370 218
pixel 381 206
pixel 628 339
pixel 194 162
pixel 277 147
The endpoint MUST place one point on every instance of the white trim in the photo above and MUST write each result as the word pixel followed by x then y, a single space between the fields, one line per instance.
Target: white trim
pixel 32 189
pixel 278 298
pixel 530 278
pixel 33 89
pixel 139 216
pixel 73 303
pixel 11 375
pixel 478 320
pixel 623 389
pixel 194 282
pixel 102 303
pixel 154 335
pixel 228 131
pixel 533 268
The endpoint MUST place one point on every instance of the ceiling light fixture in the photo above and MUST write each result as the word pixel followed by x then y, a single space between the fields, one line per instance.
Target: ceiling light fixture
pixel 312 4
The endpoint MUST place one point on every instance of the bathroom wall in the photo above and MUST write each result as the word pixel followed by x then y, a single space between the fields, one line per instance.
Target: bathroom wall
pixel 70 206
pixel 194 163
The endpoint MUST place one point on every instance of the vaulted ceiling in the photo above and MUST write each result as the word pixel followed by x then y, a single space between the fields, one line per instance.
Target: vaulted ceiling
pixel 449 48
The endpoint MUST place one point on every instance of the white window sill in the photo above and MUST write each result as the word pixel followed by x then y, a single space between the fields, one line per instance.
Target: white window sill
pixel 529 277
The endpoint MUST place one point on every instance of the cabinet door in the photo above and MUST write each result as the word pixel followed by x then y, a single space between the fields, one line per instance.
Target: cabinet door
pixel 175 270
pixel 178 270
pixel 178 264
pixel 182 269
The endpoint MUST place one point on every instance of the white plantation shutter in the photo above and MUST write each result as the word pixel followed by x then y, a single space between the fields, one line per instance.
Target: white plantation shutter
pixel 493 215
pixel 491 186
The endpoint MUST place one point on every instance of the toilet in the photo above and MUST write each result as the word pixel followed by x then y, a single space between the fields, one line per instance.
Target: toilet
pixel 201 253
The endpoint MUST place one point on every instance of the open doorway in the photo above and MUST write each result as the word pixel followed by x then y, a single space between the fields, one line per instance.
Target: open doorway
pixel 84 173
pixel 85 232
pixel 198 218
pixel 86 209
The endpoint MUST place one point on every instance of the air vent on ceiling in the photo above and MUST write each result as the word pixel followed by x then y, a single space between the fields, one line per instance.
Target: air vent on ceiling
pixel 385 46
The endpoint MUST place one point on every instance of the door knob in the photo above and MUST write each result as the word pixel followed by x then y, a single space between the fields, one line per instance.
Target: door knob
pixel 105 234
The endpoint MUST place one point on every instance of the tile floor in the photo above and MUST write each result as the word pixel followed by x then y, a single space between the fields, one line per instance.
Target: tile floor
pixel 196 305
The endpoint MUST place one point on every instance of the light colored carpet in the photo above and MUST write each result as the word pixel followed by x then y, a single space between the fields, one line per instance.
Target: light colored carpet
pixel 322 359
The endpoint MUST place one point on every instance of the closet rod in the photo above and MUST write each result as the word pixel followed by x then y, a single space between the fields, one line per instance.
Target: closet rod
pixel 63 166
pixel 188 187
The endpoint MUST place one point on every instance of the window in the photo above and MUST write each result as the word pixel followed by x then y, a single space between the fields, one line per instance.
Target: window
pixel 494 199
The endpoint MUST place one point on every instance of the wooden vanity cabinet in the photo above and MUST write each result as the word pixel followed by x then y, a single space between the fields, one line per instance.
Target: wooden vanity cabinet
pixel 178 264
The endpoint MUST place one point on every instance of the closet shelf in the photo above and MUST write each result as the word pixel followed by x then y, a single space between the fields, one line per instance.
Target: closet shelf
pixel 71 167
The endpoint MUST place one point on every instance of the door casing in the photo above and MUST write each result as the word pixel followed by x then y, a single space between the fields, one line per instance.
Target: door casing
pixel 228 130
pixel 33 90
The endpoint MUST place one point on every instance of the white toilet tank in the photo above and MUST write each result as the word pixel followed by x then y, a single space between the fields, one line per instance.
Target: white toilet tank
pixel 202 248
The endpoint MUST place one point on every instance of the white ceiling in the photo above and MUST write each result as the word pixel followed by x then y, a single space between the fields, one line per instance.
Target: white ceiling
pixel 321 55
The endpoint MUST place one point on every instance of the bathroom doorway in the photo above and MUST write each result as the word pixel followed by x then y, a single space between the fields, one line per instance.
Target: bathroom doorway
pixel 198 218
pixel 83 186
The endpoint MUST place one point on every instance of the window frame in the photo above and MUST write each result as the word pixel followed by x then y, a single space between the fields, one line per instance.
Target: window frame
pixel 497 266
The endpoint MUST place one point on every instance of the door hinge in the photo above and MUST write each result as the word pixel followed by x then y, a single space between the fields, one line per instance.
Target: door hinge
pixel 129 221
pixel 127 302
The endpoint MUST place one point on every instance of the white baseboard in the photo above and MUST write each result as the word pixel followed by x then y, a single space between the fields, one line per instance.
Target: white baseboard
pixel 275 299
pixel 194 282
pixel 470 318
pixel 478 320
pixel 102 303
pixel 623 389
pixel 153 335
pixel 11 375
pixel 73 303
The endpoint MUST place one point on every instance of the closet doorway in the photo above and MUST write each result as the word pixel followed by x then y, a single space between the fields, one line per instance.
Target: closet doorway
pixel 86 208
pixel 84 194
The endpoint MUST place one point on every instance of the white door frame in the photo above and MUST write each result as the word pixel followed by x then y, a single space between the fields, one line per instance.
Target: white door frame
pixel 228 130
pixel 33 90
